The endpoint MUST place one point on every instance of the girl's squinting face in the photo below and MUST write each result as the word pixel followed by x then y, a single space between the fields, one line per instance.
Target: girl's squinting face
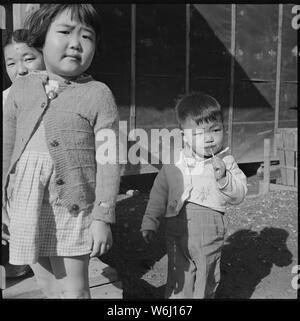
pixel 20 59
pixel 203 138
pixel 69 46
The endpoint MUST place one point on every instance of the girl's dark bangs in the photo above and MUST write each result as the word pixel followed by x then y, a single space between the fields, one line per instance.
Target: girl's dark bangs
pixel 76 14
pixel 84 16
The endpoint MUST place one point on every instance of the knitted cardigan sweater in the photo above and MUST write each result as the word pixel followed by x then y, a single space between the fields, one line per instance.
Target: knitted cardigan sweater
pixel 175 184
pixel 72 119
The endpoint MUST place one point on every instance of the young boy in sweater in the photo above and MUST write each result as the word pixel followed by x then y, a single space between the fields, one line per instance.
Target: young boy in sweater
pixel 192 194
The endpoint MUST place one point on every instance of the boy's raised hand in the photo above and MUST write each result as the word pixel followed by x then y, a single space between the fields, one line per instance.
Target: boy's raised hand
pixel 100 238
pixel 148 235
pixel 4 227
pixel 219 167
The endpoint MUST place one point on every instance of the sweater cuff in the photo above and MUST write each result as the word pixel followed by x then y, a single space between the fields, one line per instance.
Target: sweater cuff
pixel 104 212
pixel 149 224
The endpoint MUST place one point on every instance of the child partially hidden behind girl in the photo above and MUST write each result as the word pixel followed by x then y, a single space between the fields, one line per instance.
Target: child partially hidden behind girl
pixel 19 59
pixel 192 194
pixel 62 201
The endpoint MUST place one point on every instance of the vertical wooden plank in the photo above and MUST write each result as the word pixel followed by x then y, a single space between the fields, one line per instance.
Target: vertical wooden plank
pixel 281 155
pixel 232 73
pixel 296 158
pixel 187 48
pixel 17 15
pixel 132 117
pixel 8 16
pixel 21 11
pixel 267 149
pixel 289 143
pixel 296 171
pixel 278 71
pixel 2 17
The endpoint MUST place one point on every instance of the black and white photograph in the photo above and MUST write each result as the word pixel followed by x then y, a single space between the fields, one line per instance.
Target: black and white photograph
pixel 149 153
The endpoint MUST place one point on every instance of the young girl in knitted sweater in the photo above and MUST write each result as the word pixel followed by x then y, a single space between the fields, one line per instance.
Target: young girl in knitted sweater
pixel 62 201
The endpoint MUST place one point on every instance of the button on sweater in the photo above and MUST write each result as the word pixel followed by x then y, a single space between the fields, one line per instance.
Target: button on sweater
pixel 72 120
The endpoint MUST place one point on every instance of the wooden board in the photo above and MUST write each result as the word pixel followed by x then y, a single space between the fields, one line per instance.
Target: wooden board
pixel 108 291
pixel 287 152
pixel 276 187
pixel 104 283
pixel 23 288
pixel 281 155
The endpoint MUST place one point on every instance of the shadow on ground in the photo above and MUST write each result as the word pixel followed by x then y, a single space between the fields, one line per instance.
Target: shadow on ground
pixel 130 255
pixel 248 257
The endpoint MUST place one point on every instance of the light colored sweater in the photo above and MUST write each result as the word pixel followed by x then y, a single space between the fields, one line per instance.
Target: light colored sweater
pixel 72 120
pixel 177 183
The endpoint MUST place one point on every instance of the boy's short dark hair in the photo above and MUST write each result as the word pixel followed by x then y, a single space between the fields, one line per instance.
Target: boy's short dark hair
pixel 200 107
pixel 39 21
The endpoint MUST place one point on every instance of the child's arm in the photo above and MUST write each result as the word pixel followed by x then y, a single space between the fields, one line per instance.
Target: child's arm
pixel 156 206
pixel 234 184
pixel 108 174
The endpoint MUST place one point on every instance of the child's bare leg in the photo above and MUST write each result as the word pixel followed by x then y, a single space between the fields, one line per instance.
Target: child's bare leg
pixel 72 275
pixel 45 278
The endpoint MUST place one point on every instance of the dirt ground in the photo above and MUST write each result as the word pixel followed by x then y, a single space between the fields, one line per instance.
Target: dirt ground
pixel 257 259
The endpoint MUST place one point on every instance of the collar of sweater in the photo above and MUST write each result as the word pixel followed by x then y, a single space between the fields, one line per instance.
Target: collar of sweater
pixel 45 76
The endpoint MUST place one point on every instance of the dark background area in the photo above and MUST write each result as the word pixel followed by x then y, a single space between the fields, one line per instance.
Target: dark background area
pixel 160 65
pixel 160 52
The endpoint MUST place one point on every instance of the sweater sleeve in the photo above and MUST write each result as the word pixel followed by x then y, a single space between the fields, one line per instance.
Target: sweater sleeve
pixel 106 130
pixel 235 187
pixel 157 203
pixel 9 136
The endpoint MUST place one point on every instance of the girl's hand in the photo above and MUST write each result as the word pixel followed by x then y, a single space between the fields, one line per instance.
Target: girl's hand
pixel 100 238
pixel 5 227
pixel 148 235
pixel 219 168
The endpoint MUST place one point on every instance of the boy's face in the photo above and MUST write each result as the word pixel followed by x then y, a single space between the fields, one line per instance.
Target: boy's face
pixel 69 46
pixel 203 138
pixel 20 59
